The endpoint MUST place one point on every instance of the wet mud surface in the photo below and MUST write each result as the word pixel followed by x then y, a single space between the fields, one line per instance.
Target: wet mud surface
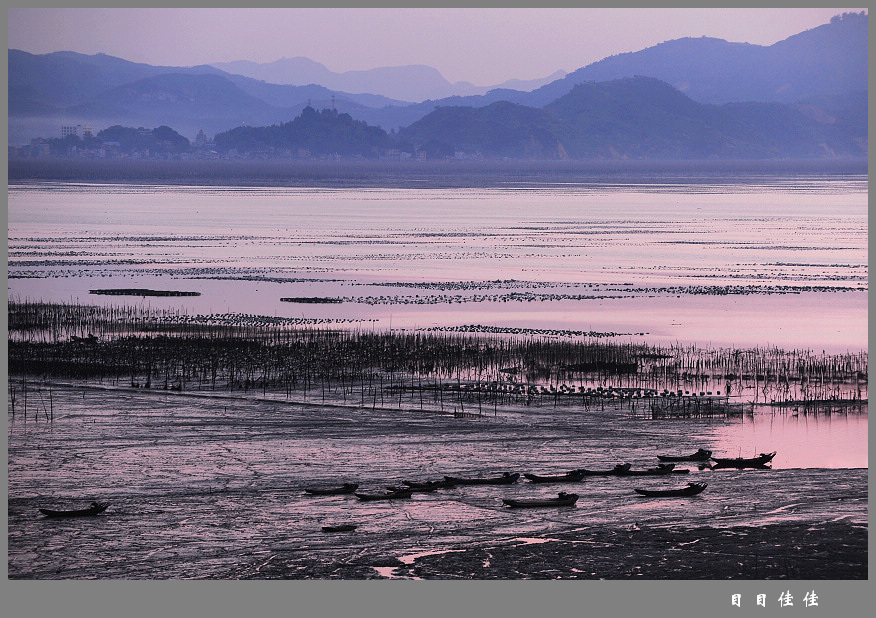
pixel 212 487
pixel 780 551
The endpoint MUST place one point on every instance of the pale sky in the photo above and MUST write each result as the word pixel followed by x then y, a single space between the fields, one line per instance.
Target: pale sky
pixel 482 46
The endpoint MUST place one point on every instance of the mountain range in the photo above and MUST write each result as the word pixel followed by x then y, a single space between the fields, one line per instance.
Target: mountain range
pixel 411 83
pixel 638 118
pixel 813 83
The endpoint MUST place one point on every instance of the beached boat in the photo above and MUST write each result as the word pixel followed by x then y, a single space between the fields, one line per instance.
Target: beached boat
pixel 392 495
pixel 692 489
pixel 664 468
pixel 744 462
pixel 563 499
pixel 506 479
pixel 346 488
pixel 618 469
pixel 340 528
pixel 95 509
pixel 411 489
pixel 573 476
pixel 427 485
pixel 701 455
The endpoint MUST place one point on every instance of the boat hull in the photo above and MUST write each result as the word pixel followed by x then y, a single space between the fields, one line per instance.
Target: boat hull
pixel 563 500
pixel 419 490
pixel 346 488
pixel 701 455
pixel 691 490
pixel 507 479
pixel 652 472
pixel 428 485
pixel 742 462
pixel 341 528
pixel 571 477
pixel 95 509
pixel 618 469
pixel 395 495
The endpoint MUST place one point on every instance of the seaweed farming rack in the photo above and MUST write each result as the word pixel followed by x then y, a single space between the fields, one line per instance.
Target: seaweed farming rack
pixel 462 372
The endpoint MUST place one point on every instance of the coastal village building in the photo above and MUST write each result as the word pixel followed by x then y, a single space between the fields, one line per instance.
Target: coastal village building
pixel 78 130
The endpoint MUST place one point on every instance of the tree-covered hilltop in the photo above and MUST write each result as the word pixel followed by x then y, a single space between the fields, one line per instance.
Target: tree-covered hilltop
pixel 319 133
pixel 501 129
pixel 645 118
pixel 119 140
pixel 159 139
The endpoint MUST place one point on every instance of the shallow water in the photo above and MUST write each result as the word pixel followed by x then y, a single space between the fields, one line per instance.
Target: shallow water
pixel 783 263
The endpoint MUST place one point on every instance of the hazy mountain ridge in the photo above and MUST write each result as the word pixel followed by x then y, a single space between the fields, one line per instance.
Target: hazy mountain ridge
pixel 171 97
pixel 829 59
pixel 830 106
pixel 637 118
pixel 69 88
pixel 410 83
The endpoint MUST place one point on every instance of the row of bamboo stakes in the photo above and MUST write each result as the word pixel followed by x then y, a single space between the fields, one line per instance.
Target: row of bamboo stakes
pixel 148 348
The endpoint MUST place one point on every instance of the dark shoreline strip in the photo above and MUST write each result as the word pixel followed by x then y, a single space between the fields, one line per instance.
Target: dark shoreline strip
pixel 142 292
pixel 310 299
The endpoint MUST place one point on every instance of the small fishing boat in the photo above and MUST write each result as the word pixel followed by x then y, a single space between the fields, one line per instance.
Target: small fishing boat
pixel 95 509
pixel 742 462
pixel 618 469
pixel 562 499
pixel 340 528
pixel 427 485
pixel 701 455
pixel 411 489
pixel 664 468
pixel 506 479
pixel 392 495
pixel 692 489
pixel 572 476
pixel 346 488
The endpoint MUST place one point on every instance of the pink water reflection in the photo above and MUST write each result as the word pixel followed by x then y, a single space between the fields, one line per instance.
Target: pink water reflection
pixel 625 259
pixel 800 439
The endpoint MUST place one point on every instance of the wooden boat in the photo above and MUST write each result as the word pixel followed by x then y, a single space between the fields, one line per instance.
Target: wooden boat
pixel 664 468
pixel 411 489
pixel 95 509
pixel 742 462
pixel 340 528
pixel 506 479
pixel 692 489
pixel 701 455
pixel 618 469
pixel 346 488
pixel 563 499
pixel 572 476
pixel 427 485
pixel 392 495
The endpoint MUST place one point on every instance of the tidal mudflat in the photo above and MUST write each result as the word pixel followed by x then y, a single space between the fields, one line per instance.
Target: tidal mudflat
pixel 205 486
pixel 203 439
pixel 197 370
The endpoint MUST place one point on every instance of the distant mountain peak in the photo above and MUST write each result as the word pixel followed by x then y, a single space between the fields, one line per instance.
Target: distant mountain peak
pixel 409 82
pixel 825 67
pixel 827 59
